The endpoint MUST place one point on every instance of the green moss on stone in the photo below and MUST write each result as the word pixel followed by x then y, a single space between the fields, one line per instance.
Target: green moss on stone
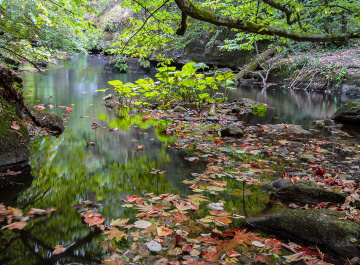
pixel 323 227
pixel 13 144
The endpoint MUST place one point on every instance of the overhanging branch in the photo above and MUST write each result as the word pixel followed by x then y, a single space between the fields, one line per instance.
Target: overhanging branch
pixel 187 7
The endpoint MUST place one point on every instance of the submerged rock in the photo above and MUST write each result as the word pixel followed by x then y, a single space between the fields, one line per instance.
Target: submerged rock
pixel 232 131
pixel 304 191
pixel 50 121
pixel 321 227
pixel 348 113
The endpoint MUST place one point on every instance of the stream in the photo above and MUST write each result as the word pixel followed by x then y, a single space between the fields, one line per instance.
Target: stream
pixel 67 171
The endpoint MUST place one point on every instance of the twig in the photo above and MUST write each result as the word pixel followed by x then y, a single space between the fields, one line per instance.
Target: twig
pixel 143 25
pixel 18 55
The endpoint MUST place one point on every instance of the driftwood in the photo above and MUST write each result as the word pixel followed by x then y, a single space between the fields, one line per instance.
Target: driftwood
pixel 251 67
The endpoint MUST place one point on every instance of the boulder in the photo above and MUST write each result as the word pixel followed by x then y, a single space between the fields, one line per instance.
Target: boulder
pixel 232 131
pixel 179 109
pixel 348 113
pixel 14 137
pixel 280 183
pixel 322 227
pixel 305 191
pixel 50 121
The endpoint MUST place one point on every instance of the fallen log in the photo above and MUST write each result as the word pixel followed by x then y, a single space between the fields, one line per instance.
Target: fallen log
pixel 252 66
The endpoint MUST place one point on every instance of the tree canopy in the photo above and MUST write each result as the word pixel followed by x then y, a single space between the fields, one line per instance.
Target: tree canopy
pixel 277 20
pixel 32 30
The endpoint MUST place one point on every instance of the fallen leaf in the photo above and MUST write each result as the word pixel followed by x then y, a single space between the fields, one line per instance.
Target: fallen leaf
pixel 232 254
pixel 119 222
pixel 139 147
pixel 153 246
pixel 163 232
pixel 15 226
pixel 58 250
pixel 15 126
pixel 142 224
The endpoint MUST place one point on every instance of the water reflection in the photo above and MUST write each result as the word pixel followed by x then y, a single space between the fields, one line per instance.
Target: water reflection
pixel 66 171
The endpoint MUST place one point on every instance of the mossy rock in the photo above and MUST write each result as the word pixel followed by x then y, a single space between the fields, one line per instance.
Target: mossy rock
pixel 348 113
pixel 13 143
pixel 50 121
pixel 322 227
pixel 304 191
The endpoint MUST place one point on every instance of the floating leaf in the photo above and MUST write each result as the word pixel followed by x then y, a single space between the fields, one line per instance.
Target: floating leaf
pixel 15 226
pixel 142 224
pixel 58 250
pixel 163 232
pixel 153 246
pixel 119 222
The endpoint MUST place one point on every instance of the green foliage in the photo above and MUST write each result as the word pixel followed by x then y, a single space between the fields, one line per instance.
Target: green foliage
pixel 33 30
pixel 259 110
pixel 186 86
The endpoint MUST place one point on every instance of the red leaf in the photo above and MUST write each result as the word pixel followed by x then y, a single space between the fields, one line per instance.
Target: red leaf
pixel 145 118
pixel 139 147
pixel 320 171
pixel 244 145
pixel 132 199
pixel 211 160
pixel 233 254
pixel 92 221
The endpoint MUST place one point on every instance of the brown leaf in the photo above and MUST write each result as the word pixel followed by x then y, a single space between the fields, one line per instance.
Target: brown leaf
pixel 115 233
pixel 163 231
pixel 58 250
pixel 15 226
pixel 222 221
pixel 15 126
pixel 92 221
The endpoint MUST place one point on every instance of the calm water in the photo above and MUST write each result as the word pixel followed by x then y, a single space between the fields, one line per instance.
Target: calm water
pixel 67 172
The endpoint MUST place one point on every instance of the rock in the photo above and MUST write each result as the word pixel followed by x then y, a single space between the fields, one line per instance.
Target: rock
pixel 132 66
pixel 212 118
pixel 321 227
pixel 247 102
pixel 308 158
pixel 232 131
pixel 298 174
pixel 280 183
pixel 348 113
pixel 205 49
pixel 179 109
pixel 50 121
pixel 13 142
pixel 192 119
pixel 189 105
pixel 300 130
pixel 305 191
pixel 110 104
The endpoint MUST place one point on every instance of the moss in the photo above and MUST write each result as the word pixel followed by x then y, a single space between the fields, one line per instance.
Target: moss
pixel 309 192
pixel 321 227
pixel 11 140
